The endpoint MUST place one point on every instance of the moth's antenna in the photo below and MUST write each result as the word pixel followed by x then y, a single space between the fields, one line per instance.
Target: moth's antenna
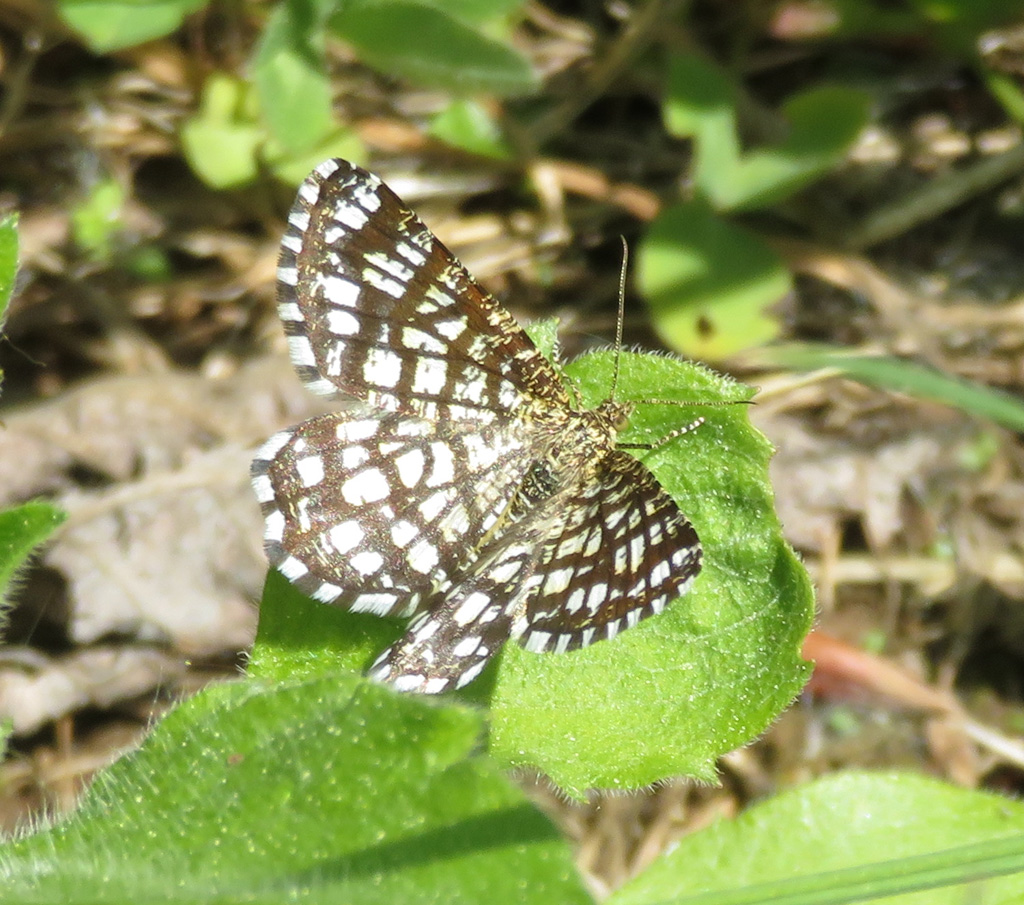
pixel 621 317
pixel 693 425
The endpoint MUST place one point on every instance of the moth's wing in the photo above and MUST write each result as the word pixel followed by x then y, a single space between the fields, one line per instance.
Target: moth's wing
pixel 375 513
pixel 375 307
pixel 620 553
pixel 580 567
pixel 467 620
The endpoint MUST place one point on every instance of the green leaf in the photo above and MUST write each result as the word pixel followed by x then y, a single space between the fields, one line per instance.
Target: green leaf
pixel 290 74
pixel 221 141
pixel 709 282
pixel 543 334
pixel 150 263
pixel 322 789
pixel 850 18
pixel 902 376
pixel 1005 90
pixel 960 24
pixel 668 696
pixel 291 167
pixel 22 529
pixel 878 834
pixel 300 637
pixel 468 125
pixel 112 24
pixel 823 124
pixel 97 218
pixel 8 261
pixel 701 103
pixel 226 142
pixel 476 12
pixel 427 46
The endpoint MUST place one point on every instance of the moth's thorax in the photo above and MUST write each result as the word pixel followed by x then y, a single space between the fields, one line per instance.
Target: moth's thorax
pixel 579 440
